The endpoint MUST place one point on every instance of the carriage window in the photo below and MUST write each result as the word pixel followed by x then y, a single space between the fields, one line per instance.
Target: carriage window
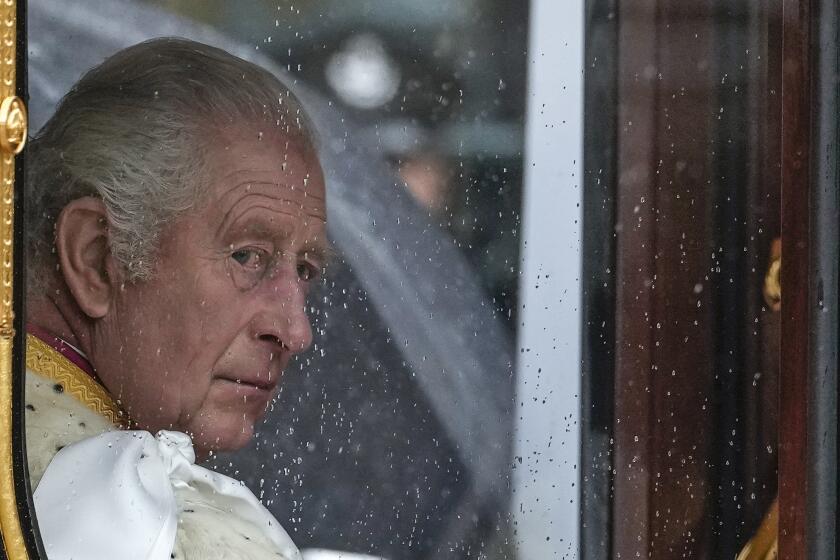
pixel 344 254
pixel 401 280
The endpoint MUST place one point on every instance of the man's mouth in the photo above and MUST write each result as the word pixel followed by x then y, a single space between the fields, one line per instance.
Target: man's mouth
pixel 266 384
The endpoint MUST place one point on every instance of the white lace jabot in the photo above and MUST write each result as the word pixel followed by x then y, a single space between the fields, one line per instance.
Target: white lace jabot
pixel 113 496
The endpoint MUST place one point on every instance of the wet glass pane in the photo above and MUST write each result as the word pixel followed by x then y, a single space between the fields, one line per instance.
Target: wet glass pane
pixel 182 278
pixel 447 279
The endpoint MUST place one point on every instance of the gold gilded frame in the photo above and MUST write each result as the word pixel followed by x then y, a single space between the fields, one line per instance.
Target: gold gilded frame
pixel 13 132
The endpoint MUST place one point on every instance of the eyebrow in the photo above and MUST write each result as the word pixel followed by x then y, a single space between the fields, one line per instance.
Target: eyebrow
pixel 324 252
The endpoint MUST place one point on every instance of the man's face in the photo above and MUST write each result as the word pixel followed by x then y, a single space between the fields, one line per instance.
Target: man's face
pixel 201 347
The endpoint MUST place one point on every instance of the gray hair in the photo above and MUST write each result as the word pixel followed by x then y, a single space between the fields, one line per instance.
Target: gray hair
pixel 135 131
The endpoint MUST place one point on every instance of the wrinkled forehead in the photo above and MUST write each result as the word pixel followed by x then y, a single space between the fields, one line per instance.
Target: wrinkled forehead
pixel 260 190
pixel 281 174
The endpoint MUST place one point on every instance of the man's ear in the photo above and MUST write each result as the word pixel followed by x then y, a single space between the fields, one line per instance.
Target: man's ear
pixel 81 240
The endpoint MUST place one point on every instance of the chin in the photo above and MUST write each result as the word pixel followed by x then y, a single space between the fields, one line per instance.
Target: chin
pixel 233 436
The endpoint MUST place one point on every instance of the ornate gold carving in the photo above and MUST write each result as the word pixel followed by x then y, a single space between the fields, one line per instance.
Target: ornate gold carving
pixel 765 543
pixel 48 362
pixel 9 522
pixel 13 125
pixel 13 540
pixel 773 278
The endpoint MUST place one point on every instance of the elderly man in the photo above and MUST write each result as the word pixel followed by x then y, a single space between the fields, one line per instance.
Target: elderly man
pixel 177 215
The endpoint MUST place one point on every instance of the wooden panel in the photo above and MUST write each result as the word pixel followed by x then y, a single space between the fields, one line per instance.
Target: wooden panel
pixel 664 377
pixel 635 238
pixel 794 344
pixel 696 207
pixel 697 204
pixel 758 418
pixel 682 327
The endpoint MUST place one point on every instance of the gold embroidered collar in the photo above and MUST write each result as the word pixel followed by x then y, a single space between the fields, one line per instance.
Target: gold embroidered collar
pixel 48 362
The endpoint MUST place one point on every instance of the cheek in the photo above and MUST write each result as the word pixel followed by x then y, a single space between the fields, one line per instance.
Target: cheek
pixel 205 307
pixel 175 333
pixel 165 358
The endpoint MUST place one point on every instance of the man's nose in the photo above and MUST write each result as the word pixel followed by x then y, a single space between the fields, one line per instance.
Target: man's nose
pixel 282 317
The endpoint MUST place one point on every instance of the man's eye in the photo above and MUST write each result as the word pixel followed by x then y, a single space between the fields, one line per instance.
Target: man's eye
pixel 307 271
pixel 249 258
